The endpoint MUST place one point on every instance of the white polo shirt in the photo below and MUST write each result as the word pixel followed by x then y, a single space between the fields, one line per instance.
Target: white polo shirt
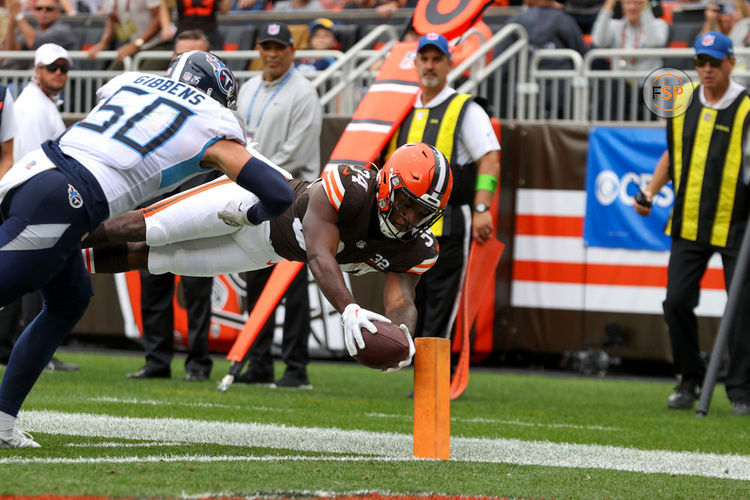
pixel 476 137
pixel 38 120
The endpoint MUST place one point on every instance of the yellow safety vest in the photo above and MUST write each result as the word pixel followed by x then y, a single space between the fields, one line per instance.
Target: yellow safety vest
pixel 705 153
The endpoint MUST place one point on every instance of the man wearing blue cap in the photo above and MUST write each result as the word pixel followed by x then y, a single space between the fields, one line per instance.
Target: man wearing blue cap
pixel 707 162
pixel 461 129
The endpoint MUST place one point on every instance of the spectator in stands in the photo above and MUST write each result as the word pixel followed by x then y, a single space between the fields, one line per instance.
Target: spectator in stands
pixel 740 36
pixel 197 16
pixel 38 120
pixel 48 30
pixel 710 216
pixel 240 5
pixel 136 21
pixel 638 29
pixel 584 12
pixel 283 115
pixel 157 290
pixel 719 16
pixel 322 37
pixel 383 7
pixel 298 5
pixel 549 28
pixel 467 137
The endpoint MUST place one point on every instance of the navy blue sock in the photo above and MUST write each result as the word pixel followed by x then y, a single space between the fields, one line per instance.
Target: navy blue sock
pixel 34 349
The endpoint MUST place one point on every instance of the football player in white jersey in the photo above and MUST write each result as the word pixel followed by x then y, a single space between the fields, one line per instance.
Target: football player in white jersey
pixel 146 136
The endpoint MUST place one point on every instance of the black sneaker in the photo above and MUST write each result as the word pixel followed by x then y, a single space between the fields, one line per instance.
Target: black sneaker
pixel 685 395
pixel 741 407
pixel 144 373
pixel 55 365
pixel 290 382
pixel 254 378
pixel 195 376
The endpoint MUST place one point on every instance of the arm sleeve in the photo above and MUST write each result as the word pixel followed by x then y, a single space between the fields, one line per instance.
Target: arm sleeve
pixel 271 188
pixel 601 32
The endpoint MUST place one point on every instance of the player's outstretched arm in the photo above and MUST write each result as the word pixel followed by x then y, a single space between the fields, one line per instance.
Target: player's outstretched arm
pixel 398 299
pixel 322 240
pixel 253 174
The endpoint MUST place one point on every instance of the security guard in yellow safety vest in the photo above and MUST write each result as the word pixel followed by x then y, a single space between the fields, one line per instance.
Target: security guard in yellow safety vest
pixel 462 131
pixel 707 161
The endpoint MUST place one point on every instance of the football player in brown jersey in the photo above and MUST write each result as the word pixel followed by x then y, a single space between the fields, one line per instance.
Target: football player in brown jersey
pixel 353 219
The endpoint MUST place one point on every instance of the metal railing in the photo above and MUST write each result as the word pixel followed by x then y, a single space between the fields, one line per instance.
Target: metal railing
pixel 491 81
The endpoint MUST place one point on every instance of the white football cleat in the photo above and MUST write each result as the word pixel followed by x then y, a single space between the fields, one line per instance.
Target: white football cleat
pixel 16 438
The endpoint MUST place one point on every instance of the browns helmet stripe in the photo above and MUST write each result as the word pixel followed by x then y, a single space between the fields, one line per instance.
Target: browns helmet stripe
pixel 440 176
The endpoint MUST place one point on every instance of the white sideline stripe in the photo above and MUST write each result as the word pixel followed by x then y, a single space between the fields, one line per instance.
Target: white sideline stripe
pixel 389 446
pixel 200 458
pixel 483 420
pixel 121 445
pixel 156 402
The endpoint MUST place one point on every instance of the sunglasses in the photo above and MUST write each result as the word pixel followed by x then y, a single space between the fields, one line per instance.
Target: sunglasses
pixel 701 61
pixel 54 67
pixel 45 9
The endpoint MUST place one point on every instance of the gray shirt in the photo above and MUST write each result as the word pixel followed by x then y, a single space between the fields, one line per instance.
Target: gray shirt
pixel 549 28
pixel 284 117
pixel 650 32
pixel 59 33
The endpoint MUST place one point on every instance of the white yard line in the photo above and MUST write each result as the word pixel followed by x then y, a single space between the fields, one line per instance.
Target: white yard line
pixel 380 446
pixel 114 444
pixel 157 402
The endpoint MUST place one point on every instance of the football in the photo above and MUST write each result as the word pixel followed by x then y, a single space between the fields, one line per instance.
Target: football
pixel 385 348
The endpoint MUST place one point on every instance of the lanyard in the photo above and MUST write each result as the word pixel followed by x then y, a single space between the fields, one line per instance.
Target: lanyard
pixel 252 102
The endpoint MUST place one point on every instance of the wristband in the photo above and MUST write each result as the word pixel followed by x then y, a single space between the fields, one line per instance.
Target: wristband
pixel 486 181
pixel 20 17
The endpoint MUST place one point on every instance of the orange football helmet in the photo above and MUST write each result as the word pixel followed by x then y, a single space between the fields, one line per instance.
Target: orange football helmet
pixel 413 189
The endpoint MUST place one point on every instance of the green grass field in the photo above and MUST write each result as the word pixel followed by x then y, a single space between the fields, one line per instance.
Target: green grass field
pixel 512 435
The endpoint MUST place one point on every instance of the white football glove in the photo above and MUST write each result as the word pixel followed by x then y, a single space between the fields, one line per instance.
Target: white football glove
pixel 234 214
pixel 355 318
pixel 412 350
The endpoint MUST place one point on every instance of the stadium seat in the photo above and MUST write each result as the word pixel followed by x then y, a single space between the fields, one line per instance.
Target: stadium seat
pixel 347 35
pixel 238 37
pixel 681 35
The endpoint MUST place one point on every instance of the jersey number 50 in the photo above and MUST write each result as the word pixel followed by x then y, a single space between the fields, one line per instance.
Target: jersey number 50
pixel 118 114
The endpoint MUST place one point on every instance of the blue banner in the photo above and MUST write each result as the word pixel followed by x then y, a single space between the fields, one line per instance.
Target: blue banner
pixel 619 161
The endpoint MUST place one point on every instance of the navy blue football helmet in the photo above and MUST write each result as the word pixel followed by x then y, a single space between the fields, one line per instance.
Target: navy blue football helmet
pixel 206 72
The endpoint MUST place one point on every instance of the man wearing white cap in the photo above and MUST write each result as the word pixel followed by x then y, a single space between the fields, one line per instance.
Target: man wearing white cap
pixel 38 120
pixel 37 111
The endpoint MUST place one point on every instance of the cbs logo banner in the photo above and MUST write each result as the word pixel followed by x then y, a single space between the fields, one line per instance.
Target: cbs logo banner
pixel 621 160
